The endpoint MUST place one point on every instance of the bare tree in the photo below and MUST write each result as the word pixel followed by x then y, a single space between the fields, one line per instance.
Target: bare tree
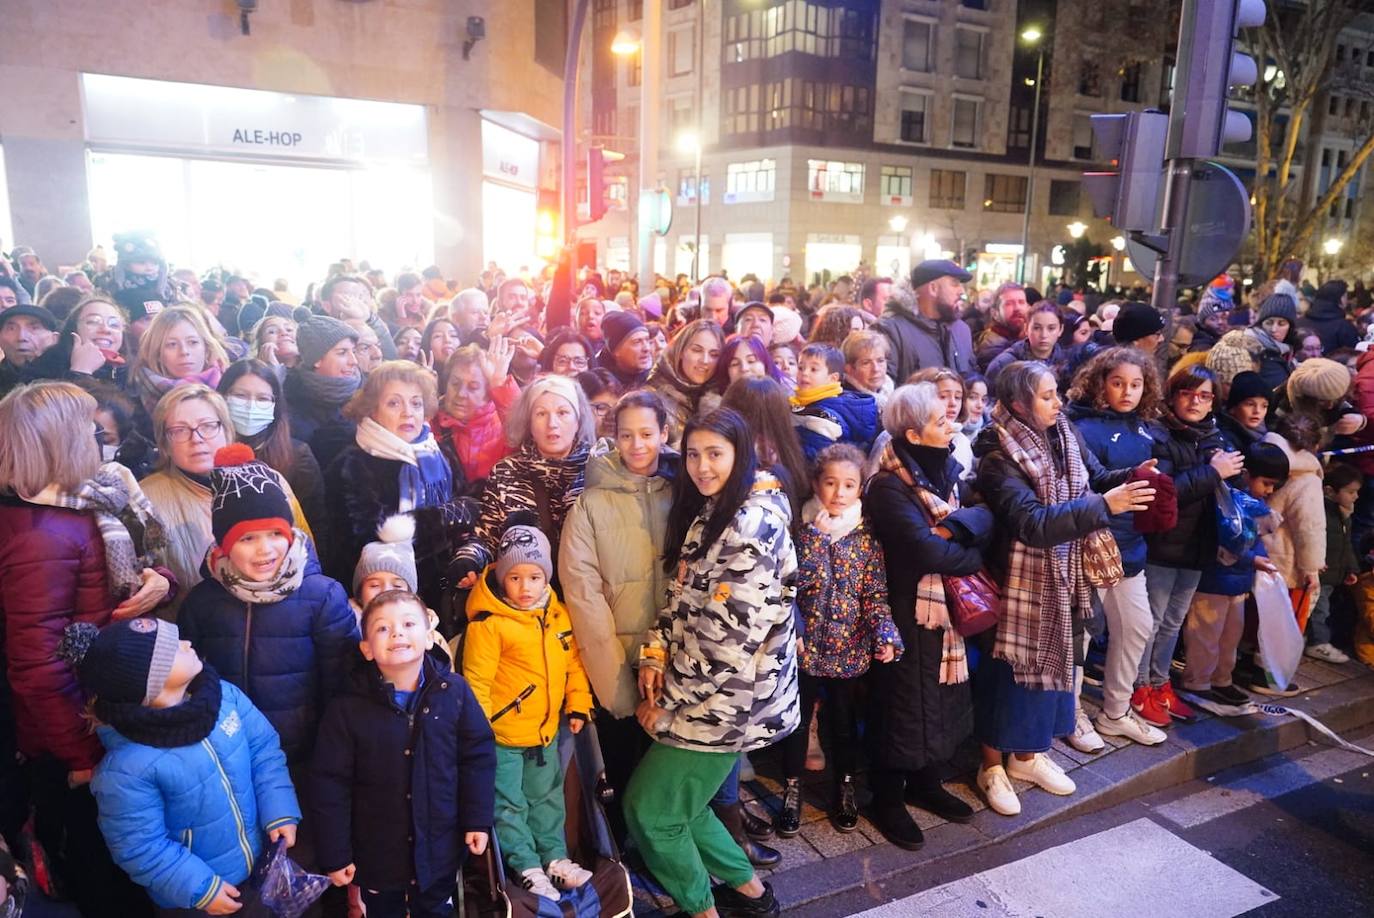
pixel 1296 53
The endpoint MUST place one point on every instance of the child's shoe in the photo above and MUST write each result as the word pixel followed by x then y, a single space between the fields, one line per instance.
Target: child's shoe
pixel 1326 653
pixel 1144 703
pixel 567 874
pixel 537 882
pixel 788 821
pixel 1178 710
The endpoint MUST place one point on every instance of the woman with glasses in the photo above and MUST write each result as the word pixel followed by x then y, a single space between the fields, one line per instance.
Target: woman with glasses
pixel 91 345
pixel 603 390
pixel 1191 451
pixel 567 353
pixel 190 423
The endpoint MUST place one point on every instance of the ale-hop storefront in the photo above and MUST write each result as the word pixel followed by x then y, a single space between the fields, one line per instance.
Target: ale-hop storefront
pixel 277 184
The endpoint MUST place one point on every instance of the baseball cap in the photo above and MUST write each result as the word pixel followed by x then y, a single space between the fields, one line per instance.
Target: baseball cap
pixel 937 268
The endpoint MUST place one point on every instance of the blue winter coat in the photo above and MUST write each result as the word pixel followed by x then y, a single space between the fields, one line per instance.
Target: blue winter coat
pixel 850 417
pixel 184 821
pixel 291 656
pixel 1237 578
pixel 1118 441
pixel 394 792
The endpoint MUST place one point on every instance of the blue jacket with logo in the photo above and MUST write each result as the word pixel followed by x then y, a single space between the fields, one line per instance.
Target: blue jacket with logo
pixel 183 821
pixel 1118 441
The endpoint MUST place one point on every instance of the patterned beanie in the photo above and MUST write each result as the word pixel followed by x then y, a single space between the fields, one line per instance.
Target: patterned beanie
pixel 392 553
pixel 126 662
pixel 245 495
pixel 524 545
pixel 1318 379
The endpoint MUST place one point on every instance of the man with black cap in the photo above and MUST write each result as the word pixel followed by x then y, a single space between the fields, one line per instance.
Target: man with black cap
pixel 1139 325
pixel 928 332
pixel 627 354
pixel 25 333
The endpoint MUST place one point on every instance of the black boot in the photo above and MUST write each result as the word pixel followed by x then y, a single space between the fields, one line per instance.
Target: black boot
pixel 732 817
pixel 844 814
pixel 756 827
pixel 924 791
pixel 788 820
pixel 731 903
pixel 889 813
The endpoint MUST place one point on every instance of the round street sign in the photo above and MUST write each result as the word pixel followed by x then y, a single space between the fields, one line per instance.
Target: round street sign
pixel 1218 222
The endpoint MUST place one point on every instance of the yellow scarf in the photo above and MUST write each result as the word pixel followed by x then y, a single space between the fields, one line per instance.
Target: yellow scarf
pixel 806 397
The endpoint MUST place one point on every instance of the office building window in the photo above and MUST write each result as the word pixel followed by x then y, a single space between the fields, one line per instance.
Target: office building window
pixel 895 184
pixel 551 38
pixel 828 180
pixel 1089 79
pixel 1019 127
pixel 975 4
pixel 917 52
pixel 687 187
pixel 636 12
pixel 964 129
pixel 1082 137
pixel 751 181
pixel 914 109
pixel 806 104
pixel 634 69
pixel 1326 157
pixel 681 51
pixel 679 4
pixel 1333 105
pixel 1004 194
pixel 1064 198
pixel 801 26
pixel 968 53
pixel 1130 83
pixel 947 189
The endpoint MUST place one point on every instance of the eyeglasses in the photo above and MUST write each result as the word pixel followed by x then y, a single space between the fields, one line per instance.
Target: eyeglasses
pixel 577 363
pixel 182 434
pixel 1197 395
pixel 113 323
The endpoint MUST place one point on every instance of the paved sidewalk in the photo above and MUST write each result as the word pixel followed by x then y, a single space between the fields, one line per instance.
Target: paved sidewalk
pixel 821 862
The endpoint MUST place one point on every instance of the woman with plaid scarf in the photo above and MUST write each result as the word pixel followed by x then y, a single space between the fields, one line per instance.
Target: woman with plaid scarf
pixel 1041 483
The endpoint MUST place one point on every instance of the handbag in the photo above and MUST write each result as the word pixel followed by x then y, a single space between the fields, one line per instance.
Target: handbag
pixel 974 602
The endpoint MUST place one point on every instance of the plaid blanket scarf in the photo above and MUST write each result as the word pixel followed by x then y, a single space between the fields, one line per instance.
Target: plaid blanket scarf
pixel 932 608
pixel 1045 586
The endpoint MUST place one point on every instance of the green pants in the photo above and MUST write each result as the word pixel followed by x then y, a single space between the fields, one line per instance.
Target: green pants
pixel 529 806
pixel 667 810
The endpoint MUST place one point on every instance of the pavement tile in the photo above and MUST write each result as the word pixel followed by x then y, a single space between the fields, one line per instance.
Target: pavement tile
pixel 831 843
pixel 967 792
pixel 1036 805
pixel 1072 754
pixel 1063 761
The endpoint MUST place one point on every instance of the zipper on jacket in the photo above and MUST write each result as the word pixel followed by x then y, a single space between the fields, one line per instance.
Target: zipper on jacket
pixel 186 836
pixel 233 805
pixel 525 693
pixel 563 638
pixel 247 638
pixel 548 682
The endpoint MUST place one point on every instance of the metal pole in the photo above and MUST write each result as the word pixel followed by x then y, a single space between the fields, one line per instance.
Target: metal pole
pixel 570 60
pixel 651 61
pixel 701 122
pixel 1030 182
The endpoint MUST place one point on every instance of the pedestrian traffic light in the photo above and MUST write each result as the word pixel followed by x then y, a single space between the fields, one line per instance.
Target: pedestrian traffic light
pixel 1134 143
pixel 1208 65
pixel 597 158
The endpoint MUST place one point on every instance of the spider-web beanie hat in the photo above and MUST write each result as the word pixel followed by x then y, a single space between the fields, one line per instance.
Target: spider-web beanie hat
pixel 245 495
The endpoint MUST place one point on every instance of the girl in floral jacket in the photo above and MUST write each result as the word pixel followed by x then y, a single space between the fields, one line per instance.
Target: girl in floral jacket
pixel 845 625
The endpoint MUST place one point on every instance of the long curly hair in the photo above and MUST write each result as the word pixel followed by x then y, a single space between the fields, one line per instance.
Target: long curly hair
pixel 1090 382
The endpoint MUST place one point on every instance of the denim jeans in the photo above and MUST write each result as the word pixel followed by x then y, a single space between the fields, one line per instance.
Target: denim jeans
pixel 728 795
pixel 1318 623
pixel 1171 591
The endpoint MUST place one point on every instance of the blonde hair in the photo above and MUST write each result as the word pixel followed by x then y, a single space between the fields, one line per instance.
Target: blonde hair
pixel 938 375
pixel 365 401
pixel 49 438
pixel 174 398
pixel 858 343
pixel 150 345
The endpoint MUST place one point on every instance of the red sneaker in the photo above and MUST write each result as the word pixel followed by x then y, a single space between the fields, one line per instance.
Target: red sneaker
pixel 1164 695
pixel 1144 703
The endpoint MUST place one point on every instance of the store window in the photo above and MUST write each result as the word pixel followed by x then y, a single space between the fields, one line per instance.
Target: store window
pixel 750 181
pixel 895 185
pixel 1004 194
pixel 964 123
pixel 748 253
pixel 947 189
pixel 831 255
pixel 827 180
pixel 915 106
pixel 968 52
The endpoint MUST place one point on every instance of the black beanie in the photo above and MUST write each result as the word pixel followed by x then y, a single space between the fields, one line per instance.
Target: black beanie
pixel 1267 460
pixel 1277 306
pixel 127 662
pixel 1136 321
pixel 1247 384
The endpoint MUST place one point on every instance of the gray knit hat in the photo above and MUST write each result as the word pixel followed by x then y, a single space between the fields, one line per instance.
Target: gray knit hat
pixel 1278 306
pixel 393 553
pixel 317 334
pixel 524 545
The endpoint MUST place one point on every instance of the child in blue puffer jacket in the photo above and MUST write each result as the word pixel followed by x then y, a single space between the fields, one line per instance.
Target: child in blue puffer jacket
pixel 265 617
pixel 193 777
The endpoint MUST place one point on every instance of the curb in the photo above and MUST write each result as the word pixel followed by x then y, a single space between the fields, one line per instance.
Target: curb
pixel 1191 751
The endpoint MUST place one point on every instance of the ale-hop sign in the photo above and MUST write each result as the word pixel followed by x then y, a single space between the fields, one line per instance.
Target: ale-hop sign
pixel 132 113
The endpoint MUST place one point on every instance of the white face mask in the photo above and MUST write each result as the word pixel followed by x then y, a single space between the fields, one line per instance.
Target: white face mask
pixel 107 452
pixel 250 417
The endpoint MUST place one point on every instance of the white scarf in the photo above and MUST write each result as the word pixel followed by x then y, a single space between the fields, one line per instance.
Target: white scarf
pixel 376 440
pixel 834 527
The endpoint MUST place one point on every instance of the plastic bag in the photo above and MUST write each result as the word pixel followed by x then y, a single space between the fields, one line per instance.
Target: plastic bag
pixel 279 887
pixel 1280 641
pixel 1237 522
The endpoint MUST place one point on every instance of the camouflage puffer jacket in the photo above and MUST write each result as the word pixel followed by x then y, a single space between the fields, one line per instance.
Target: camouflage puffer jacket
pixel 726 641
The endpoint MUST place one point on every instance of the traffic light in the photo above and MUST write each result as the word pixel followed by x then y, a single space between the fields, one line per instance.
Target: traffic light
pixel 597 158
pixel 1208 64
pixel 1134 142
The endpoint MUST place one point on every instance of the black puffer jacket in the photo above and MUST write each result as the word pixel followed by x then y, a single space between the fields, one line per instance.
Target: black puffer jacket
pixel 1326 319
pixel 1184 452
pixel 918 721
pixel 323 427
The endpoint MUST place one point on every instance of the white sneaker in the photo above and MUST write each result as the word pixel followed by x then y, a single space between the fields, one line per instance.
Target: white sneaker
pixel 1130 726
pixel 1326 653
pixel 567 874
pixel 1041 770
pixel 1084 738
pixel 537 882
pixel 1001 796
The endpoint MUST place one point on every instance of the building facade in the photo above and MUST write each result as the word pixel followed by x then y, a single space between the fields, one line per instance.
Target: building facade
pixel 277 143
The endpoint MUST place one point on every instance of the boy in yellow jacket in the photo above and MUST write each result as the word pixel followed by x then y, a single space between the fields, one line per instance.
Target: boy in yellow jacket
pixel 520 659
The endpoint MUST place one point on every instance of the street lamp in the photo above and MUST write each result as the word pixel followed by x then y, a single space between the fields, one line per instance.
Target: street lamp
pixel 689 142
pixel 1332 246
pixel 1077 229
pixel 1031 36
pixel 1118 243
pixel 625 43
pixel 897 224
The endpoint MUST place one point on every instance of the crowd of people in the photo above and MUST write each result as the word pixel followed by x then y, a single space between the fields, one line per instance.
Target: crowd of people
pixel 354 561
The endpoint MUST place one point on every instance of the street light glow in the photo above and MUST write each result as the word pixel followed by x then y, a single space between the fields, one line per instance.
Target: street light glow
pixel 688 143
pixel 1031 35
pixel 626 42
pixel 1119 243
pixel 1332 246
pixel 1077 229
pixel 897 223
